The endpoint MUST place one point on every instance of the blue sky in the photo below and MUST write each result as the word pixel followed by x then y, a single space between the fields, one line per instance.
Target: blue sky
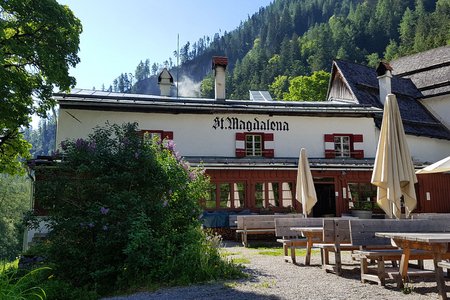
pixel 117 35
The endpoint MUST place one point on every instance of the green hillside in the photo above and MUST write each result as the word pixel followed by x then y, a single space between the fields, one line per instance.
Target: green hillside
pixel 290 38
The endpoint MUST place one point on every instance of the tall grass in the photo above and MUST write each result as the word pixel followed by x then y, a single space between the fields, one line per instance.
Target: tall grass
pixel 15 286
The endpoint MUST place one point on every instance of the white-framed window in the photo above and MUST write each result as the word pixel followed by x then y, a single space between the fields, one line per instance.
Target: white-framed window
pixel 342 145
pixel 253 145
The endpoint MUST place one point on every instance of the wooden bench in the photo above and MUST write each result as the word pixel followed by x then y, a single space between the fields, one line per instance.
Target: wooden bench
pixel 433 216
pixel 291 239
pixel 380 250
pixel 336 238
pixel 258 224
pixel 444 265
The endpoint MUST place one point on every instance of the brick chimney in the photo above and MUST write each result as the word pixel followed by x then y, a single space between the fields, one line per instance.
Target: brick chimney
pixel 384 75
pixel 219 64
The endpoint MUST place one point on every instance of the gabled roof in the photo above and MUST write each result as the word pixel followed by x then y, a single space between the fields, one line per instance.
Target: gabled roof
pixel 363 83
pixel 429 70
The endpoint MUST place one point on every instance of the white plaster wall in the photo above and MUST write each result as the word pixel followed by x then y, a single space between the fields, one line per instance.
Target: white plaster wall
pixel 428 150
pixel 440 108
pixel 425 149
pixel 194 134
pixel 29 233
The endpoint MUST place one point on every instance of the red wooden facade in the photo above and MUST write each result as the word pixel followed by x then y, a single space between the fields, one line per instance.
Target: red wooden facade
pixel 332 187
pixel 433 192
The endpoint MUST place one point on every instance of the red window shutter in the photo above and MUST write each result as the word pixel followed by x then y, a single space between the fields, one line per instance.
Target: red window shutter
pixel 357 142
pixel 358 154
pixel 268 150
pixel 329 146
pixel 330 154
pixel 240 144
pixel 168 135
pixel 269 153
pixel 357 138
pixel 268 137
pixel 329 138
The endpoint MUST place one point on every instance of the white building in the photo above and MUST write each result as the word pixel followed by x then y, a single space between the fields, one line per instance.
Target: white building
pixel 250 149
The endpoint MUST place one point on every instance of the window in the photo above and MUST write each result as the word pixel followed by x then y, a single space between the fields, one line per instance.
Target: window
pixel 253 144
pixel 210 201
pixel 288 194
pixel 225 195
pixel 279 195
pixel 361 194
pixel 160 134
pixel 260 195
pixel 239 194
pixel 274 194
pixel 343 145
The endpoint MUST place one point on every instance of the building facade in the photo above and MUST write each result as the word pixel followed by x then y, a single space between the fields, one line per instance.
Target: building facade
pixel 250 149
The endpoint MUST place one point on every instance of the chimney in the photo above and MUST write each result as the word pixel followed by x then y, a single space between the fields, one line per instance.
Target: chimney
pixel 219 64
pixel 384 72
pixel 165 81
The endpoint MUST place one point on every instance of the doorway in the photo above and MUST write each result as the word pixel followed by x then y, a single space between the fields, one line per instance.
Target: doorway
pixel 326 201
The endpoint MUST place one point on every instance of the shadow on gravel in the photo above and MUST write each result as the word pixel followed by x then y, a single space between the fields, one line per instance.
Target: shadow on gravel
pixel 207 291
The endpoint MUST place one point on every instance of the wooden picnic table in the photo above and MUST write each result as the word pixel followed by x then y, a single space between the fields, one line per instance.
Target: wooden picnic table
pixel 312 234
pixel 436 243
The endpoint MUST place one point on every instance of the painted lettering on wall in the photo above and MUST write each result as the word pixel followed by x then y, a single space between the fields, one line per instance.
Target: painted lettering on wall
pixel 233 123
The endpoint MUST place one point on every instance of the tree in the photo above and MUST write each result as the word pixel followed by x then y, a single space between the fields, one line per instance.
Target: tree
pixel 207 87
pixel 14 202
pixel 42 138
pixel 373 59
pixel 309 88
pixel 38 44
pixel 279 87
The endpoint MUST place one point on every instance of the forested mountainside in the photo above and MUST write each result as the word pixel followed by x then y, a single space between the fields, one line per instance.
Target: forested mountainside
pixel 290 38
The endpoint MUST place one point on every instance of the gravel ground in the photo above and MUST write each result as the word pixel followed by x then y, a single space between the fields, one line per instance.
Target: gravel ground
pixel 272 278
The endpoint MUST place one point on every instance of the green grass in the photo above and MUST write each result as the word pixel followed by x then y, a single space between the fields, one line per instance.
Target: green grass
pixel 6 265
pixel 265 284
pixel 240 260
pixel 20 286
pixel 270 252
pixel 225 253
pixel 280 252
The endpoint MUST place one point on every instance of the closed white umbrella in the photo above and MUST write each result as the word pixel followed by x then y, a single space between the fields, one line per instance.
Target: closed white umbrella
pixel 438 167
pixel 305 191
pixel 393 172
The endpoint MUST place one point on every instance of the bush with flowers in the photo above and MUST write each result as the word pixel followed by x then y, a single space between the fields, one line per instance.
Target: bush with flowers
pixel 123 212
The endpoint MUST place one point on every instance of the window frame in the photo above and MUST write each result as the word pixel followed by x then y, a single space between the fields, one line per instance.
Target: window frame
pixel 253 151
pixel 342 153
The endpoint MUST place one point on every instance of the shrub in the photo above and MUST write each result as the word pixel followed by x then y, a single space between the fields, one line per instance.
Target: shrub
pixel 123 210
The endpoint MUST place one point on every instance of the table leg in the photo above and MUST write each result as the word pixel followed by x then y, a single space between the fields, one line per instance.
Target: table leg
pixel 404 264
pixel 308 250
pixel 437 257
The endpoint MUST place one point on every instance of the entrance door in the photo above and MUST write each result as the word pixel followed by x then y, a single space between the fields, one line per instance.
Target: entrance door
pixel 326 201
